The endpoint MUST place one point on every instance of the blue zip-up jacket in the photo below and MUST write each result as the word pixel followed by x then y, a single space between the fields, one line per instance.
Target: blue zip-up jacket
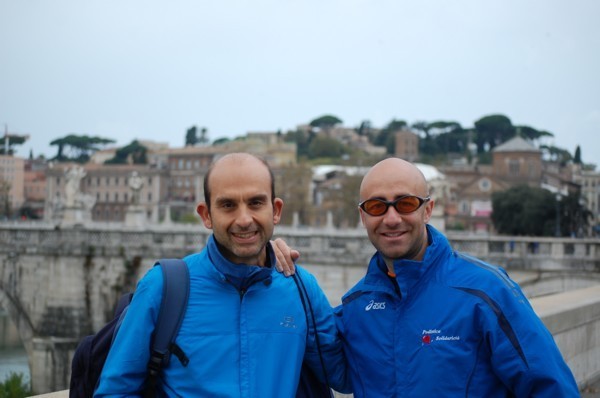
pixel 244 333
pixel 449 326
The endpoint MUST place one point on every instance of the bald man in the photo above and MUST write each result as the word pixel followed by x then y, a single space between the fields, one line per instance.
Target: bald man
pixel 245 330
pixel 427 321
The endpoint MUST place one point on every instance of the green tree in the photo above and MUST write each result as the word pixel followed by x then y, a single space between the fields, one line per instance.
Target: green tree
pixel 492 130
pixel 577 158
pixel 220 141
pixel 134 153
pixel 9 141
pixel 191 136
pixel 532 134
pixel 325 147
pixel 523 210
pixel 203 139
pixel 446 137
pixel 556 154
pixel 78 148
pixel 364 129
pixel 421 126
pixel 575 217
pixel 387 135
pixel 325 122
pixel 302 140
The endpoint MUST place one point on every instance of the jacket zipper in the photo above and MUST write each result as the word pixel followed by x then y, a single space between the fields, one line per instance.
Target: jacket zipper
pixel 394 281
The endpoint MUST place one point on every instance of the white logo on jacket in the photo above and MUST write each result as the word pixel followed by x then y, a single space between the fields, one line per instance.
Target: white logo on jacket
pixel 288 322
pixel 375 306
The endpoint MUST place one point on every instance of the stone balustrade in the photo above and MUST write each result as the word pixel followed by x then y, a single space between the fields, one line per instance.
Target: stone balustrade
pixel 317 245
pixel 94 264
pixel 572 317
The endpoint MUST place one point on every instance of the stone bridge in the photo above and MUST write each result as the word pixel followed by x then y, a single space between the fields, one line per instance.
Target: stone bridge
pixel 60 284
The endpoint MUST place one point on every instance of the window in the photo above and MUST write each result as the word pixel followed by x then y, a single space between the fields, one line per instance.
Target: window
pixel 464 207
pixel 485 184
pixel 514 168
pixel 531 169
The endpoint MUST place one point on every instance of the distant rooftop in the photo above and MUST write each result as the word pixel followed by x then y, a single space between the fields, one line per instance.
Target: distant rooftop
pixel 516 144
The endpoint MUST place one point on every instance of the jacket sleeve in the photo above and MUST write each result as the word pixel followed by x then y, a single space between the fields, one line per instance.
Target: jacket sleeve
pixel 524 354
pixel 329 339
pixel 125 368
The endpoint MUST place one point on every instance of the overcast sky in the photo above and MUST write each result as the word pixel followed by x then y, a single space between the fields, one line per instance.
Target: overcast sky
pixel 127 69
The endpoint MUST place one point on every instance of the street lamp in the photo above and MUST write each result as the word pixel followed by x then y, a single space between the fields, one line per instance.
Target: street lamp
pixel 557 230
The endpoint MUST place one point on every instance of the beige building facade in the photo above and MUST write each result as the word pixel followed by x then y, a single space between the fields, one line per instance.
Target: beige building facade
pixel 12 187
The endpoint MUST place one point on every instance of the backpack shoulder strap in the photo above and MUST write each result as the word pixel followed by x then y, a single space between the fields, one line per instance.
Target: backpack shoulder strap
pixel 308 310
pixel 176 290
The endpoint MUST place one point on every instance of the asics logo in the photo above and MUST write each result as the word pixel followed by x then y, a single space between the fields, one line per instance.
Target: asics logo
pixel 375 306
pixel 288 322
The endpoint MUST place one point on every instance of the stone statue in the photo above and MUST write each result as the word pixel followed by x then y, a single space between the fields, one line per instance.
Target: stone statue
pixel 74 175
pixel 135 183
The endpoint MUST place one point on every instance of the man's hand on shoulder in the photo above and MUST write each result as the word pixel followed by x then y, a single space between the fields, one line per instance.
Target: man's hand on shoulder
pixel 285 256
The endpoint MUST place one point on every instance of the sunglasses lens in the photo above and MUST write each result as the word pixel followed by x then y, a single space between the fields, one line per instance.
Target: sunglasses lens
pixel 374 207
pixel 408 204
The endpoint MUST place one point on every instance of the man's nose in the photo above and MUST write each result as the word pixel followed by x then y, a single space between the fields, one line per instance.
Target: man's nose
pixel 392 216
pixel 244 216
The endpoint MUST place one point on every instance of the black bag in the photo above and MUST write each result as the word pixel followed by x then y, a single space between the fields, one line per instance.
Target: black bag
pixel 309 385
pixel 92 351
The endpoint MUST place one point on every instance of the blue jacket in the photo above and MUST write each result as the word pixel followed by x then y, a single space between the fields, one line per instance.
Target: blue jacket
pixel 244 333
pixel 449 326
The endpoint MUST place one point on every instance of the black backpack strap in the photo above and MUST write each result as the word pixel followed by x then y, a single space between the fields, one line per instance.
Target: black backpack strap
pixel 312 322
pixel 176 290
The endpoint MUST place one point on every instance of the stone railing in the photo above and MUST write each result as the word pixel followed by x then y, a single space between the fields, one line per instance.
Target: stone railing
pixel 572 317
pixel 317 245
pixel 337 256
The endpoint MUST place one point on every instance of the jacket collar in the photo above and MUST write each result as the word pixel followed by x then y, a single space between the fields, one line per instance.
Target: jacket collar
pixel 241 276
pixel 408 272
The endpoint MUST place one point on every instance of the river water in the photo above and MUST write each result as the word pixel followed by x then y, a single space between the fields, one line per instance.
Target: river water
pixel 13 358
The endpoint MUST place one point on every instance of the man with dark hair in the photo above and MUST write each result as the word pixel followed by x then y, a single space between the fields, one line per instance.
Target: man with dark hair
pixel 244 331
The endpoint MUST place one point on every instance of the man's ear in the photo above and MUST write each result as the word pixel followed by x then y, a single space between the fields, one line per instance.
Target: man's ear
pixel 428 210
pixel 277 209
pixel 204 213
pixel 362 216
